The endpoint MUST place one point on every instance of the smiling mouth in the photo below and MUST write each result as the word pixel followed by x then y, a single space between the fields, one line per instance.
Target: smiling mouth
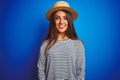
pixel 61 26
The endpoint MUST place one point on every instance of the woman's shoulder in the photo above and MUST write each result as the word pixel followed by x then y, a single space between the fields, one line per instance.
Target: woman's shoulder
pixel 79 44
pixel 78 41
pixel 44 43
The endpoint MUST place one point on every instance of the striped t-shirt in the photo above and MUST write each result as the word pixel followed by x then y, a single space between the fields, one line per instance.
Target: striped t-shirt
pixel 65 61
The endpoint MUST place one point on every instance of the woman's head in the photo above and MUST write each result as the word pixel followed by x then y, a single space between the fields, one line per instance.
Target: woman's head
pixel 61 17
pixel 61 22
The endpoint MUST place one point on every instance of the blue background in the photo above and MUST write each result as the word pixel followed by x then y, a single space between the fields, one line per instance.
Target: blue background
pixel 23 26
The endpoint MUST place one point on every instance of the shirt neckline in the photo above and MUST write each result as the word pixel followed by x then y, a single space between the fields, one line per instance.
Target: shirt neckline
pixel 63 40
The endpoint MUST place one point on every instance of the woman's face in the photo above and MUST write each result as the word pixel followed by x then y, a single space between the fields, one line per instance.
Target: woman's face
pixel 61 21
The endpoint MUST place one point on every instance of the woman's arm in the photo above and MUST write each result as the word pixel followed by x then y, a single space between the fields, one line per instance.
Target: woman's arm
pixel 80 62
pixel 41 64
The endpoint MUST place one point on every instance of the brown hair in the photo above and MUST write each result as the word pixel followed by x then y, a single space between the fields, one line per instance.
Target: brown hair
pixel 53 32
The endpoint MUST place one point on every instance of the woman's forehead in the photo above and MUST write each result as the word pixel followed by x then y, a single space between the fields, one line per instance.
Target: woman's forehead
pixel 62 13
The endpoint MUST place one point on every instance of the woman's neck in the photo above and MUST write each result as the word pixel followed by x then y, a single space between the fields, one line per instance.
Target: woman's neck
pixel 62 37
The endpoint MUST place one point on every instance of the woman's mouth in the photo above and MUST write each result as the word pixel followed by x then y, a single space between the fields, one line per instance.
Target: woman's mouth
pixel 61 25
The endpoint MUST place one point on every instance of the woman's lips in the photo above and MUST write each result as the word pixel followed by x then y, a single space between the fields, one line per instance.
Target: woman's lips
pixel 61 26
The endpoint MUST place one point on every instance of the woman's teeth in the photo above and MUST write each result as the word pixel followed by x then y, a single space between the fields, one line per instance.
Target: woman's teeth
pixel 61 26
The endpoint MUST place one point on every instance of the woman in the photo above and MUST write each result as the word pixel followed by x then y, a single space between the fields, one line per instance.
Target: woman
pixel 62 53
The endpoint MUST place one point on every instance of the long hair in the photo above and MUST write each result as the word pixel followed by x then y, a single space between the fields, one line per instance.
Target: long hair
pixel 52 34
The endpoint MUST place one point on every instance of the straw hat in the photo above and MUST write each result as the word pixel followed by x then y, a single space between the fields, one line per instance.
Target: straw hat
pixel 61 5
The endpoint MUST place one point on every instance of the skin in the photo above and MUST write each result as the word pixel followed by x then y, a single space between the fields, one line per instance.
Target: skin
pixel 61 24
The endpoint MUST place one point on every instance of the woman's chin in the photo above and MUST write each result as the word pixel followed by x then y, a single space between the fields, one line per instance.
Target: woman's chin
pixel 61 31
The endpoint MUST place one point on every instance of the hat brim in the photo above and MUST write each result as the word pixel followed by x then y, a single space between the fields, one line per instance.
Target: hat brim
pixel 72 11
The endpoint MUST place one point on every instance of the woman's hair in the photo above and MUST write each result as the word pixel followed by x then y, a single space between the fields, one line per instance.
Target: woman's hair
pixel 52 34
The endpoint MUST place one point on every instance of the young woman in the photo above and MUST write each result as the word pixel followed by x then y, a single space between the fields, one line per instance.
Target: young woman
pixel 62 53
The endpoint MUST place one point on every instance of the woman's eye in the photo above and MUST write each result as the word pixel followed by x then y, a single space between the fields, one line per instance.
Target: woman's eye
pixel 65 18
pixel 56 18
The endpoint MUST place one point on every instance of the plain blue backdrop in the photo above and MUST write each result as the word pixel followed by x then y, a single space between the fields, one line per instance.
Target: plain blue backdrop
pixel 23 26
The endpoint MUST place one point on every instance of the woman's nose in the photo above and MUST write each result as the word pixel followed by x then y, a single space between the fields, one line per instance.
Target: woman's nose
pixel 61 20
